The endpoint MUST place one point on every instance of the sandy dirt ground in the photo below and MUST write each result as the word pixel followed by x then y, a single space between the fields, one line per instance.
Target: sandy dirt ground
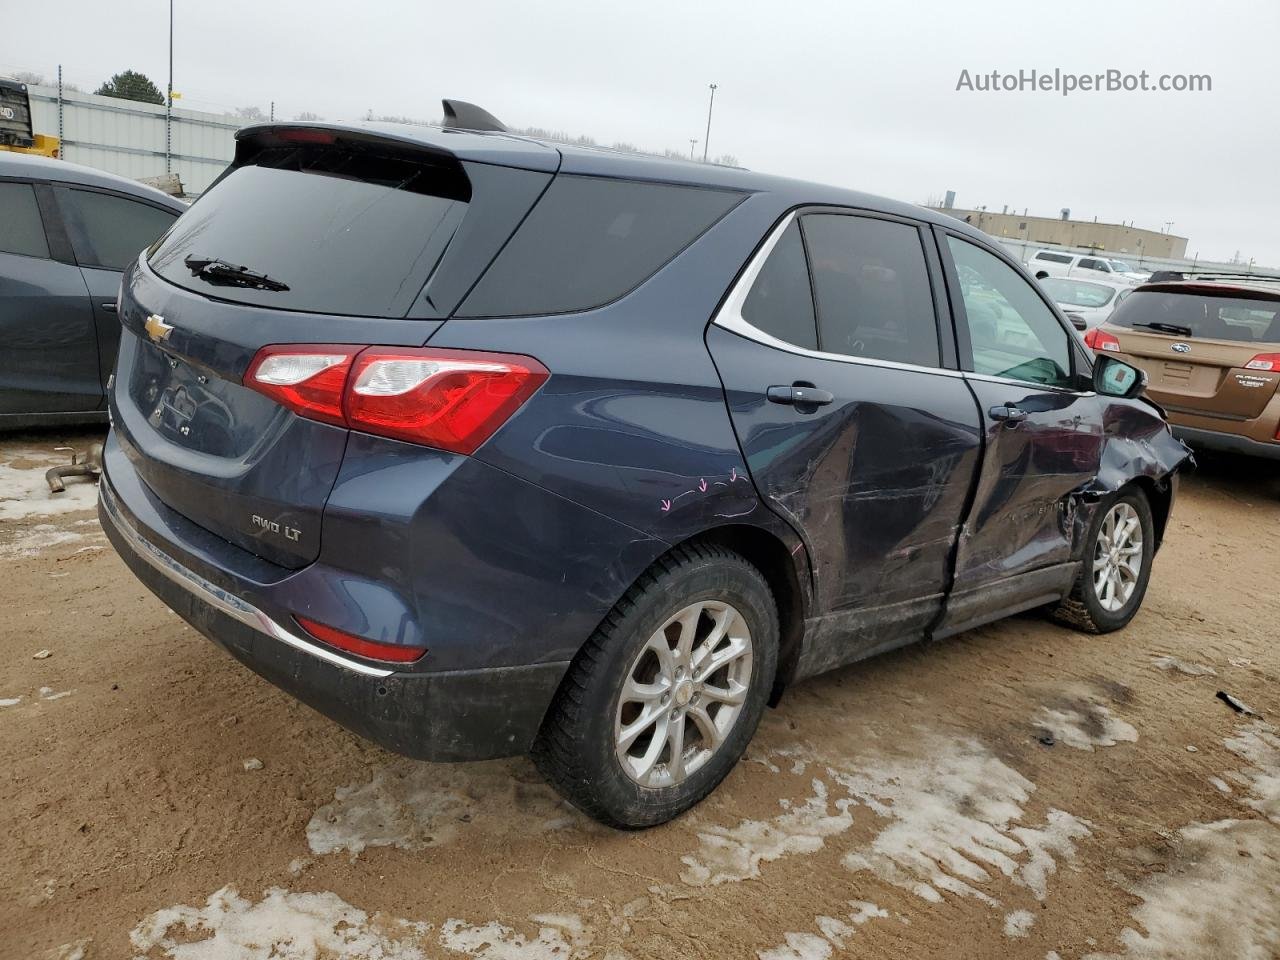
pixel 1019 791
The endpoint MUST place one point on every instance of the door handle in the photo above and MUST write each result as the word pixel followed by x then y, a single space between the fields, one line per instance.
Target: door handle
pixel 109 307
pixel 1007 413
pixel 801 396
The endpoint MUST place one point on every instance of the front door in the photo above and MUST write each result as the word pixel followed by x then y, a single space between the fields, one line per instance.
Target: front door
pixel 854 427
pixel 1043 440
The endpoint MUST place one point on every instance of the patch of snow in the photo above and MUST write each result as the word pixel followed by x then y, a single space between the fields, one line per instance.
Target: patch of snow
pixel 414 806
pixel 1240 661
pixel 1084 725
pixel 42 655
pixel 949 809
pixel 30 542
pixel 835 933
pixel 735 853
pixel 25 493
pixel 299 926
pixel 1181 666
pixel 1216 899
pixel 559 938
pixel 1019 923
pixel 10 701
pixel 75 950
pixel 1258 745
pixel 798 946
pixel 46 693
pixel 253 763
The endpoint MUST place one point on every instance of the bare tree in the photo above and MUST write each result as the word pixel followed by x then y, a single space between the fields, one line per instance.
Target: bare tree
pixel 250 113
pixel 308 115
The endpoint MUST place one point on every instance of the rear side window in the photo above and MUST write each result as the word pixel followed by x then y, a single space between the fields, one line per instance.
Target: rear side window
pixel 1214 317
pixel 1053 257
pixel 589 241
pixel 110 231
pixel 21 230
pixel 872 289
pixel 781 302
pixel 344 231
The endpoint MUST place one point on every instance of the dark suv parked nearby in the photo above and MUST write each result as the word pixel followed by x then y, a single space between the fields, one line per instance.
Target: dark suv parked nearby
pixel 482 445
pixel 66 233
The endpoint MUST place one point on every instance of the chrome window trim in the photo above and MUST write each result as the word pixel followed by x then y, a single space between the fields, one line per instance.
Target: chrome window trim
pixel 214 595
pixel 729 317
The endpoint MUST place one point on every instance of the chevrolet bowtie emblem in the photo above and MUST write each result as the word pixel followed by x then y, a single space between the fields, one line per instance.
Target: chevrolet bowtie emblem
pixel 157 329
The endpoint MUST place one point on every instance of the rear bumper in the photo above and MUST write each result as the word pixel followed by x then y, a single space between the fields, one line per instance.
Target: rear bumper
pixel 1226 442
pixel 452 715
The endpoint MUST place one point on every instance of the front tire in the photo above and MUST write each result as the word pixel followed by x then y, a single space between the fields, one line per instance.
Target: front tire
pixel 1116 567
pixel 663 699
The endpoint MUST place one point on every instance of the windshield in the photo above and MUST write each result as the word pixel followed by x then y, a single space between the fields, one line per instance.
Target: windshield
pixel 1121 267
pixel 1077 293
pixel 1214 316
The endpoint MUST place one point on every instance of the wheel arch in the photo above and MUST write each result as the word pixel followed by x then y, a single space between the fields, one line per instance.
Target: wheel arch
pixel 786 571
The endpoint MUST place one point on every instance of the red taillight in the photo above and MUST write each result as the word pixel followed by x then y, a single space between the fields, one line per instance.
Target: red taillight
pixel 1264 361
pixel 450 399
pixel 1101 340
pixel 390 652
pixel 308 379
pixel 306 136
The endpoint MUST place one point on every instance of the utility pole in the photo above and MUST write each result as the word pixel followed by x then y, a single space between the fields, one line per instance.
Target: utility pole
pixel 272 116
pixel 692 143
pixel 707 140
pixel 168 103
pixel 61 149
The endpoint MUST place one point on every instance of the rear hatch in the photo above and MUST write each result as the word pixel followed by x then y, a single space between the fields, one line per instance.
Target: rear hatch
pixel 346 236
pixel 1208 349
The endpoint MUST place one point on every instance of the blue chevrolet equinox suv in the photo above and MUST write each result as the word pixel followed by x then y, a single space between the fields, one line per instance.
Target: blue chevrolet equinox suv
pixel 483 445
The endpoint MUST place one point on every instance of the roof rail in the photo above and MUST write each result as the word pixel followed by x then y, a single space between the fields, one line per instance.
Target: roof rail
pixel 1160 275
pixel 460 115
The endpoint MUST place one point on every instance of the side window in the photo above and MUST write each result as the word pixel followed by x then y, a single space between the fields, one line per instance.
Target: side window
pixel 1013 332
pixel 780 302
pixel 112 231
pixel 1089 264
pixel 871 288
pixel 589 241
pixel 21 229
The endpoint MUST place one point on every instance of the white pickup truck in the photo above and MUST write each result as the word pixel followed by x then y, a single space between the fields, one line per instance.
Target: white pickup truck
pixel 1060 263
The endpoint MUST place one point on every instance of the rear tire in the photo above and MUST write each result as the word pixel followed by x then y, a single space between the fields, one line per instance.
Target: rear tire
pixel 663 699
pixel 1109 590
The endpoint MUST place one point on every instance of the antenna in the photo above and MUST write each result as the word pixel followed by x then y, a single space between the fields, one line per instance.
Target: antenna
pixel 460 115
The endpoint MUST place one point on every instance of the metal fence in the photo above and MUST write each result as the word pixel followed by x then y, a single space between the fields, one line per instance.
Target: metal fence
pixel 127 137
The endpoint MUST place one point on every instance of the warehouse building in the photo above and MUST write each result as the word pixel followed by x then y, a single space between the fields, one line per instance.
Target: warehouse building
pixel 1061 231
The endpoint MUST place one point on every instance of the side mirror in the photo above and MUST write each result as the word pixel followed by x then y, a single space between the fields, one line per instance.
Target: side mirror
pixel 1115 378
pixel 1078 322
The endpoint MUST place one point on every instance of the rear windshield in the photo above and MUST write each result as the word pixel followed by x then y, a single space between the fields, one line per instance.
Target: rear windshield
pixel 1211 316
pixel 333 230
pixel 589 241
pixel 1077 293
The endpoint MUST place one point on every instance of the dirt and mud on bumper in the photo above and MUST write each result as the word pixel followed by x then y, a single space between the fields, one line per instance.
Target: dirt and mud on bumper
pixel 447 716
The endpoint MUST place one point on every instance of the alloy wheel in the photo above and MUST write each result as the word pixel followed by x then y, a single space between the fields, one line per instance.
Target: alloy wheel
pixel 1117 557
pixel 683 694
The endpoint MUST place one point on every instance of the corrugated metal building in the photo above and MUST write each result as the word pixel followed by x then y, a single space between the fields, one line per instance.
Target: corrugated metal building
pixel 128 138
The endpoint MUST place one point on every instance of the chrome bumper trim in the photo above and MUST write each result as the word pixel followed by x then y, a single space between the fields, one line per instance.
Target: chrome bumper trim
pixel 214 595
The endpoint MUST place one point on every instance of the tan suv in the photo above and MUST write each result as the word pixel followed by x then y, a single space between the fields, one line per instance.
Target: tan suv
pixel 1210 346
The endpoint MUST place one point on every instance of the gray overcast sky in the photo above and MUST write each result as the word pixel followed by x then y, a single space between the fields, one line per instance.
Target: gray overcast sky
pixel 857 94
